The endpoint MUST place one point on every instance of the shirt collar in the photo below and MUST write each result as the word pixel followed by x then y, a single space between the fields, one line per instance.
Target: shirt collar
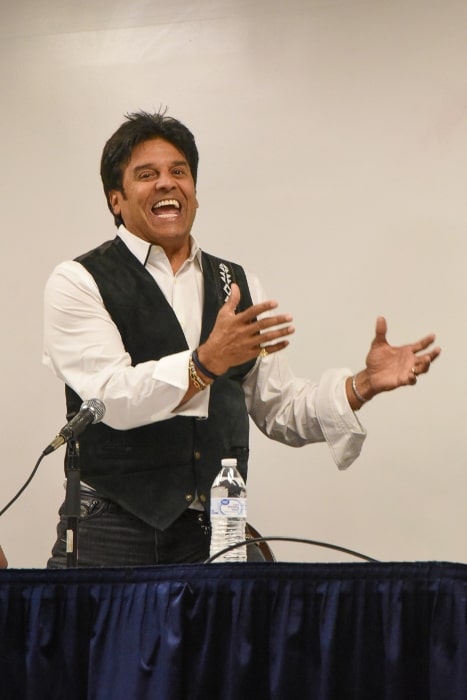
pixel 143 251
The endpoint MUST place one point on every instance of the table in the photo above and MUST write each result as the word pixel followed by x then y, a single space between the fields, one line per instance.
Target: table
pixel 358 631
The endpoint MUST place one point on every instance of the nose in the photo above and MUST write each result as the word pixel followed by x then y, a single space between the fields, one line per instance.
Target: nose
pixel 165 181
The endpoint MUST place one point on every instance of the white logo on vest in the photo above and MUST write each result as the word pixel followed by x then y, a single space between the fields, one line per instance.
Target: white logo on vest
pixel 226 279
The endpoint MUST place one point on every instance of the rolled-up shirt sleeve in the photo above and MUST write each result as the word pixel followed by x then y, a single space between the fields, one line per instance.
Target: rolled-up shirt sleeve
pixel 298 411
pixel 83 347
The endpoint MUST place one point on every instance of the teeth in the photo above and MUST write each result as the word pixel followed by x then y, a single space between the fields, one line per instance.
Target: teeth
pixel 167 203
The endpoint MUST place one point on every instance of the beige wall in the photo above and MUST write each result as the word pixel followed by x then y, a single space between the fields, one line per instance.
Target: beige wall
pixel 333 140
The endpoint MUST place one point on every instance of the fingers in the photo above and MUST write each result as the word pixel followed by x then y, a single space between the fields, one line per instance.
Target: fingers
pixel 267 335
pixel 257 310
pixel 233 299
pixel 424 343
pixel 252 312
pixel 422 363
pixel 262 327
pixel 239 337
pixel 272 338
pixel 269 331
pixel 380 330
pixel 271 349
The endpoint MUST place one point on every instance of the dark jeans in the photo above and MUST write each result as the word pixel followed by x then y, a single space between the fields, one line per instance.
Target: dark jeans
pixel 110 536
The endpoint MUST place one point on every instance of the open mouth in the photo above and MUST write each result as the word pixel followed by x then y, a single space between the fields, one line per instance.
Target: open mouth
pixel 166 208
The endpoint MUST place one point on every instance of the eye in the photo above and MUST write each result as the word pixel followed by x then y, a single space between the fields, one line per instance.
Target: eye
pixel 178 172
pixel 145 174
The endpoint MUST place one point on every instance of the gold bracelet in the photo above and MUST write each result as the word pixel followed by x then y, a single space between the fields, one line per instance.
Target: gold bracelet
pixel 195 378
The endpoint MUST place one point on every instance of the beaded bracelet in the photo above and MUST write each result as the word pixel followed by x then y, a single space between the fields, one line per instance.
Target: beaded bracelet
pixel 201 367
pixel 194 376
pixel 356 391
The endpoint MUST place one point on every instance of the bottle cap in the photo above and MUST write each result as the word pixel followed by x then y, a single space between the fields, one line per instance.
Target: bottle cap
pixel 228 462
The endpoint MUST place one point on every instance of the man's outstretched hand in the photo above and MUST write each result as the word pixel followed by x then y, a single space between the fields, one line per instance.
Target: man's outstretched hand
pixel 389 366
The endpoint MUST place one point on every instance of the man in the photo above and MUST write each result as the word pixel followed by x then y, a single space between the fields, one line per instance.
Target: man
pixel 181 347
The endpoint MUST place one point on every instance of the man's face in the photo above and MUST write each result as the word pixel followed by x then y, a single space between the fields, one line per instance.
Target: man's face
pixel 158 202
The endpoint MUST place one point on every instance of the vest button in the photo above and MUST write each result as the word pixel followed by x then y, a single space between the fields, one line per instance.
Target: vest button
pixel 188 497
pixel 197 454
pixel 202 498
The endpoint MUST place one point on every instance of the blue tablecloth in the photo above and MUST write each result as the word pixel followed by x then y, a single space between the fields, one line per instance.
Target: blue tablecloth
pixel 363 631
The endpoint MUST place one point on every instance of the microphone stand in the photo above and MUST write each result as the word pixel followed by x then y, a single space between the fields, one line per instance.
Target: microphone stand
pixel 72 501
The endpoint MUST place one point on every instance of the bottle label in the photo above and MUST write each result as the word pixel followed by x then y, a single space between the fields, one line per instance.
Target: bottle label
pixel 229 507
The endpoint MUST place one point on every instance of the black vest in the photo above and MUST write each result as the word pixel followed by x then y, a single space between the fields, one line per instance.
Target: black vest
pixel 156 470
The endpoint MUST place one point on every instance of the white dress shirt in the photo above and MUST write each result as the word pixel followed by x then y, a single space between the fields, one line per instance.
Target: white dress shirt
pixel 83 347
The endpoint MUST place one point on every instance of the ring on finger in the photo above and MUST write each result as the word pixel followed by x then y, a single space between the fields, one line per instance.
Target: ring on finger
pixel 263 353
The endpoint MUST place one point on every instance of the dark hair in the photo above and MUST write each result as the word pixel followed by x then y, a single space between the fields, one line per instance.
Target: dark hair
pixel 140 127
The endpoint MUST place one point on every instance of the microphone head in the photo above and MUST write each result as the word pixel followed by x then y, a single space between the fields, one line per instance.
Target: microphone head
pixel 96 407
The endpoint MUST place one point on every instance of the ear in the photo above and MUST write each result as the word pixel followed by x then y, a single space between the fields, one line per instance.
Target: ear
pixel 114 200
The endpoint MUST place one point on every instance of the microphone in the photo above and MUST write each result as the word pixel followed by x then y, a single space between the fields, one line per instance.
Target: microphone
pixel 91 411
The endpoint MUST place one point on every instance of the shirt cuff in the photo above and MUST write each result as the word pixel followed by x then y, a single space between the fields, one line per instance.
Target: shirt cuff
pixel 173 370
pixel 343 431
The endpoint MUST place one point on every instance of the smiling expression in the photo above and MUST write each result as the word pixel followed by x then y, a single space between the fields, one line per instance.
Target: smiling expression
pixel 158 202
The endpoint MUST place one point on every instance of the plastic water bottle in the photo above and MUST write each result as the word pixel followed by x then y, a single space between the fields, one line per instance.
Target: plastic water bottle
pixel 228 512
